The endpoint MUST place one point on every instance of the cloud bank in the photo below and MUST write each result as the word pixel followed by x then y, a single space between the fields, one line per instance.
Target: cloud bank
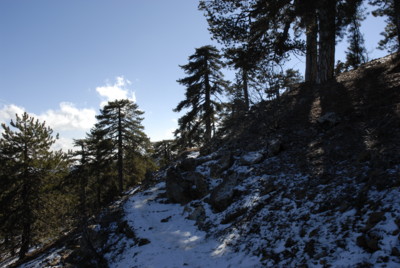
pixel 68 120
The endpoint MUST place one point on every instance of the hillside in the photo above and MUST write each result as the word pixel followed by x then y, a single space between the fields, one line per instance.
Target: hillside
pixel 311 180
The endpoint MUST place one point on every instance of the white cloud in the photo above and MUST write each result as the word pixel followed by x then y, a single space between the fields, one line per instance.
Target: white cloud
pixel 8 112
pixel 64 144
pixel 119 90
pixel 68 117
pixel 70 122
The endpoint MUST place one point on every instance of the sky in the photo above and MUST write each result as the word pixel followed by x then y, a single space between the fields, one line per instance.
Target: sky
pixel 60 61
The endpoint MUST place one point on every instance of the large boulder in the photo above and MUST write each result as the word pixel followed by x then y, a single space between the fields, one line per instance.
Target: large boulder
pixel 199 184
pixel 176 187
pixel 183 187
pixel 222 196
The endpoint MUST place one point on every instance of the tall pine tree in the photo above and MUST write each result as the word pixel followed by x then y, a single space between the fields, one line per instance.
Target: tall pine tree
pixel 391 10
pixel 120 121
pixel 204 81
pixel 28 173
pixel 356 53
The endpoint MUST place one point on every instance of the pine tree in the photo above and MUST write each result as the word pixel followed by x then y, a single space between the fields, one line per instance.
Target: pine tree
pixel 243 60
pixel 391 10
pixel 274 28
pixel 356 54
pixel 121 122
pixel 164 152
pixel 204 80
pixel 101 155
pixel 28 173
pixel 261 29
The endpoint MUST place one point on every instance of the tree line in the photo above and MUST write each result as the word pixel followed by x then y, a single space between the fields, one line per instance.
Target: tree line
pixel 258 37
pixel 45 193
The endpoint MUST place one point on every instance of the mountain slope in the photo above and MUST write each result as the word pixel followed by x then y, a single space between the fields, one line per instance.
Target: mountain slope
pixel 311 180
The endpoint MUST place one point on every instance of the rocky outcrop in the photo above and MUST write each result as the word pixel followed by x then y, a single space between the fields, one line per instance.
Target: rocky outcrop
pixel 222 196
pixel 183 187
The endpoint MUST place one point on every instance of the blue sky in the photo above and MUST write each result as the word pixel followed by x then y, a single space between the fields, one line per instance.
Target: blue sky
pixel 60 60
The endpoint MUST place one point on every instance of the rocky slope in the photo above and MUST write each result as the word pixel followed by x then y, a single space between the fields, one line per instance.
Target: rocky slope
pixel 309 181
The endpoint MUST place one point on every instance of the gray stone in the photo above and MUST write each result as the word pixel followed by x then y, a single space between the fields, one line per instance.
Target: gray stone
pixel 275 147
pixel 183 187
pixel 329 118
pixel 198 214
pixel 176 187
pixel 222 196
pixel 199 184
pixel 226 161
pixel 251 158
pixel 188 164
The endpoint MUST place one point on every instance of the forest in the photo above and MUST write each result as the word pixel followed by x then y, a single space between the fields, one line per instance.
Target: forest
pixel 46 194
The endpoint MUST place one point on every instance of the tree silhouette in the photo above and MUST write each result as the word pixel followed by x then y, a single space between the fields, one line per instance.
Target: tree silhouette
pixel 204 80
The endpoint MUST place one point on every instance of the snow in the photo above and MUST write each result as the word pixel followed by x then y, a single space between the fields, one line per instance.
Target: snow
pixel 174 240
pixel 278 218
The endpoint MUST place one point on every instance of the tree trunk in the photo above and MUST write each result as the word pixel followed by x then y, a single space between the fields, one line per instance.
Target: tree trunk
pixel 311 53
pixel 26 222
pixel 26 206
pixel 327 34
pixel 120 158
pixel 98 192
pixel 207 105
pixel 246 89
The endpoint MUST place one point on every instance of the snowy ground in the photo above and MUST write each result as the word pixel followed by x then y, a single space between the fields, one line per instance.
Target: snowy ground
pixel 174 240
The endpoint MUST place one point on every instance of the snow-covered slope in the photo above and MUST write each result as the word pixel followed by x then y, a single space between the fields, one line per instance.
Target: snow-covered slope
pixel 171 239
pixel 315 185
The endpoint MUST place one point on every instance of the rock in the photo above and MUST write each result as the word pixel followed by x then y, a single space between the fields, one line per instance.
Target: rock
pixel 395 252
pixel 222 196
pixel 309 248
pixel 188 164
pixel 329 118
pixel 176 188
pixel 226 161
pixel 183 187
pixel 124 228
pixel 374 219
pixel 198 214
pixel 97 236
pixel 251 158
pixel 367 243
pixel 275 147
pixel 143 241
pixel 199 182
pixel 166 219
